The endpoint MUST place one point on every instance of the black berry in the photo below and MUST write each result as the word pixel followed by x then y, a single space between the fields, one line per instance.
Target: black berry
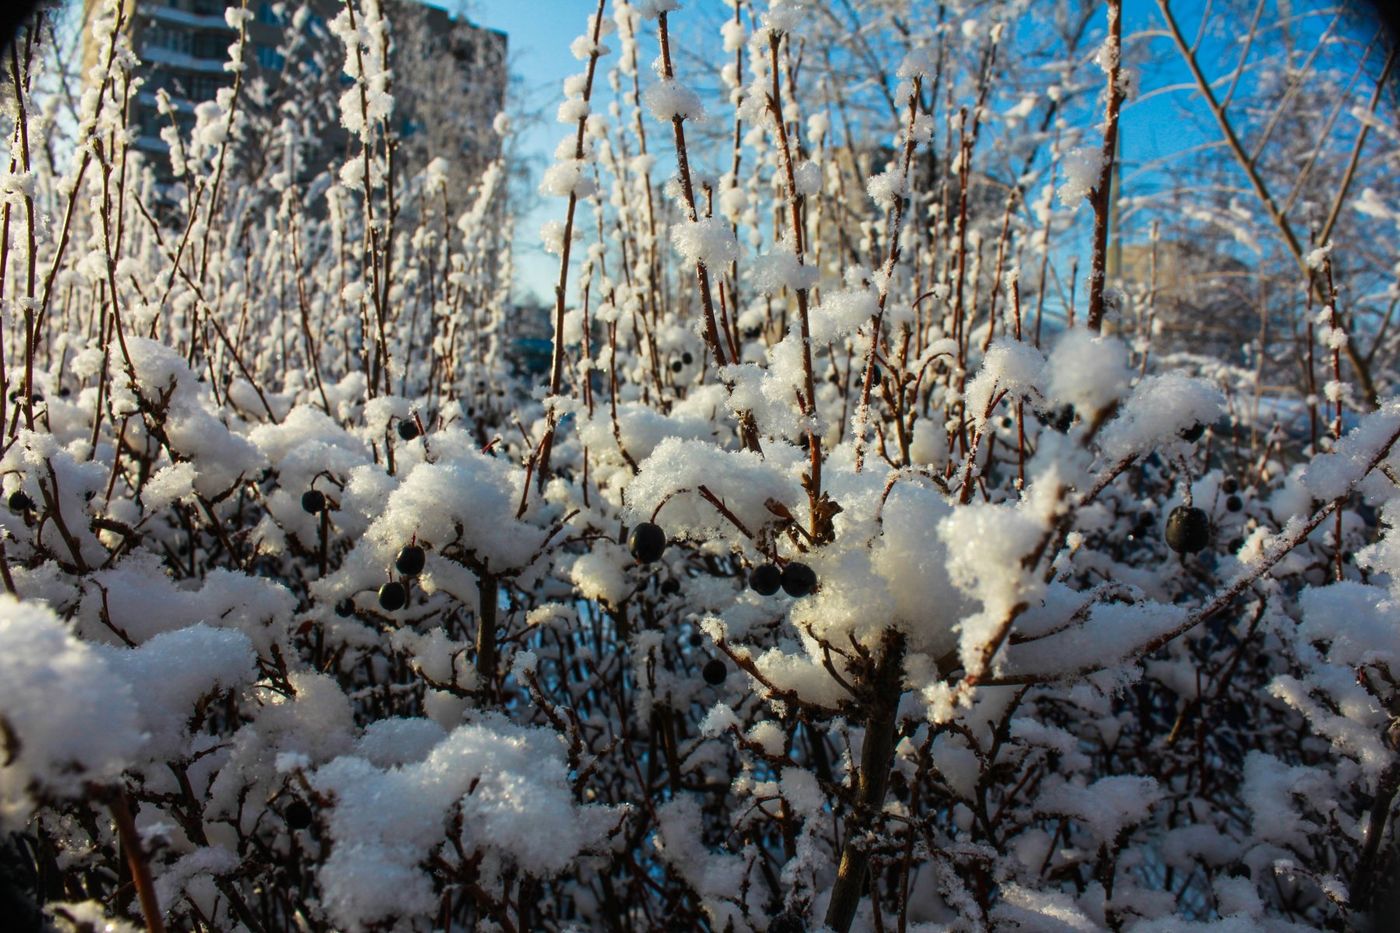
pixel 1234 503
pixel 1193 433
pixel 19 502
pixel 696 639
pixel 298 815
pixel 313 501
pixel 686 358
pixel 410 560
pixel 408 429
pixel 393 596
pixel 1057 419
pixel 1229 486
pixel 646 542
pixel 714 672
pixel 345 608
pixel 1188 529
pixel 670 586
pixel 765 579
pixel 677 366
pixel 798 579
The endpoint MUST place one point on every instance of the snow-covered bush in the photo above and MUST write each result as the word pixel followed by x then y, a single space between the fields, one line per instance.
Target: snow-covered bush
pixel 844 570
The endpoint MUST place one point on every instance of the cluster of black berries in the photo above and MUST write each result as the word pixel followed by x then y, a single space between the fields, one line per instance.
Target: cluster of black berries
pixel 410 561
pixel 647 542
pixel 795 579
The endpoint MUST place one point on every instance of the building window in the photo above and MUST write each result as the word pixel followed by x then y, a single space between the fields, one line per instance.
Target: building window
pixel 210 45
pixel 269 58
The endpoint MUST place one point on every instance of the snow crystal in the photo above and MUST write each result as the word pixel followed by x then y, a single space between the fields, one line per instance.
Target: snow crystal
pixel 774 271
pixel 841 313
pixel 1088 371
pixel 1081 168
pixel 1010 367
pixel 669 99
pixel 707 241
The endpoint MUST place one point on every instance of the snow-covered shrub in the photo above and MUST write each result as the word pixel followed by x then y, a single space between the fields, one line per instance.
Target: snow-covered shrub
pixel 844 569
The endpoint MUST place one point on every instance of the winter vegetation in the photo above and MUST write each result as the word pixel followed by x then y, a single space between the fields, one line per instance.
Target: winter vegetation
pixel 930 518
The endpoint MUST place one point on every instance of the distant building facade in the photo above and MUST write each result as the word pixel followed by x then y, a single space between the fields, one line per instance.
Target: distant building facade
pixel 440 64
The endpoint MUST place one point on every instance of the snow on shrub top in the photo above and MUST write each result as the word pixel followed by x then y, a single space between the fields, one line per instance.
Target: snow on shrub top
pixel 1087 371
pixel 1159 408
pixel 68 718
pixel 191 422
pixel 1330 475
pixel 510 785
pixel 170 673
pixel 742 480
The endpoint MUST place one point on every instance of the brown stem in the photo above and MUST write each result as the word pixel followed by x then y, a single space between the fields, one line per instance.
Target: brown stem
pixel 876 755
pixel 140 871
pixel 1102 192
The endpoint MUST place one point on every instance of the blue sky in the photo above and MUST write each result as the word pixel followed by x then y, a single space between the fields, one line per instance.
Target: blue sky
pixel 540 32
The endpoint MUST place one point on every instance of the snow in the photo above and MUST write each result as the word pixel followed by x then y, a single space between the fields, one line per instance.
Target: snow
pixel 741 480
pixel 707 241
pixel 843 312
pixel 69 718
pixel 1331 475
pixel 1087 371
pixel 1107 806
pixel 668 100
pixel 1081 168
pixel 1010 368
pixel 186 632
pixel 1160 407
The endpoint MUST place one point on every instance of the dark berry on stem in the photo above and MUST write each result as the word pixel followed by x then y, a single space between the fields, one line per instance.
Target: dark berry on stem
pixel 696 639
pixel 670 586
pixel 313 501
pixel 714 672
pixel 393 596
pixel 798 579
pixel 1234 503
pixel 408 429
pixel 687 358
pixel 646 542
pixel 298 815
pixel 410 560
pixel 1188 529
pixel 676 366
pixel 1230 486
pixel 345 608
pixel 766 579
pixel 19 502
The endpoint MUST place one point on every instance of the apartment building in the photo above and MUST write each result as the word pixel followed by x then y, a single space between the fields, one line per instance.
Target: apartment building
pixel 440 64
